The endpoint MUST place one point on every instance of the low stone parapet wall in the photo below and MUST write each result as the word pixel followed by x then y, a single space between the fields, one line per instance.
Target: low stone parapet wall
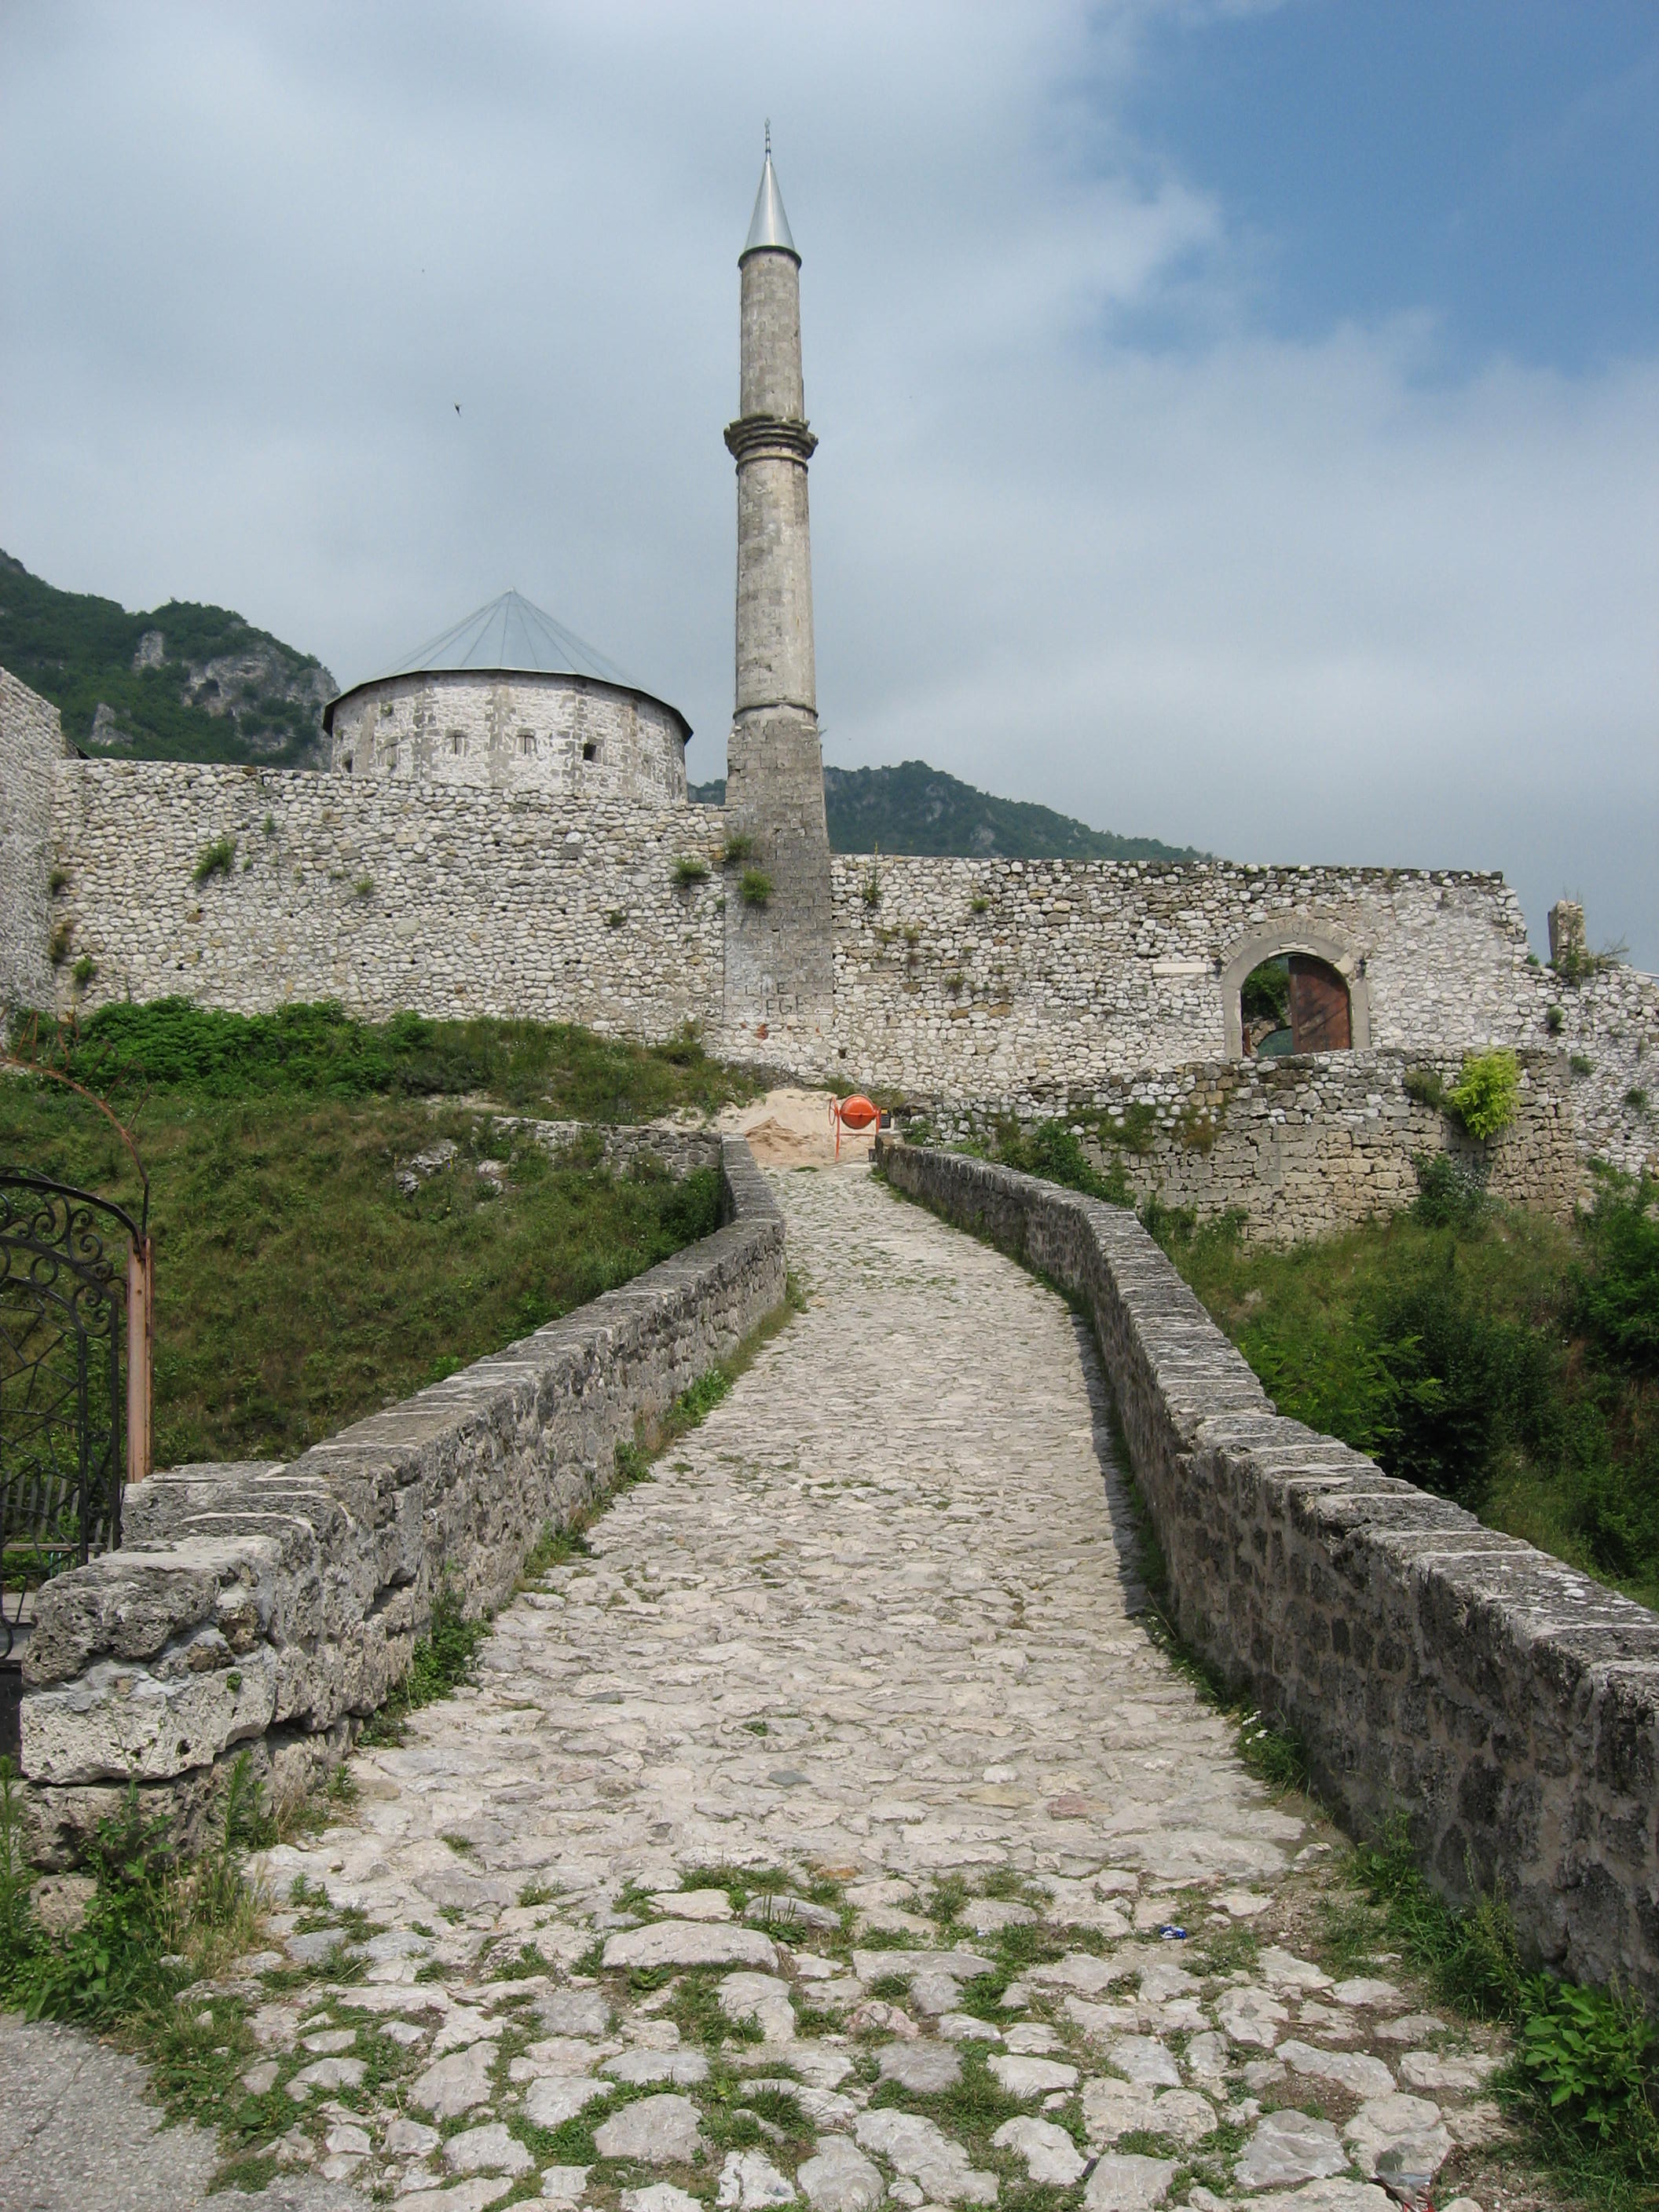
pixel 268 1609
pixel 1507 1703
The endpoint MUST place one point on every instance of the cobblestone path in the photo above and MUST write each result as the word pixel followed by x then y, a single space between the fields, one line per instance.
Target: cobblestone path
pixel 831 1831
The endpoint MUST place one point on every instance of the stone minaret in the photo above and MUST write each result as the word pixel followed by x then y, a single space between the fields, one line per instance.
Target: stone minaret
pixel 780 966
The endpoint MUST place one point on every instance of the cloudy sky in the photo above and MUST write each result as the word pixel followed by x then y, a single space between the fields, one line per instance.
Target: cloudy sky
pixel 1240 421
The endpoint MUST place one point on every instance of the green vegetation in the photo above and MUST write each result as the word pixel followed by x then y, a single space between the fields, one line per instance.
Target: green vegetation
pixel 552 1069
pixel 214 860
pixel 1051 1151
pixel 914 808
pixel 1487 1094
pixel 299 1287
pixel 444 1658
pixel 83 652
pixel 1500 1359
pixel 1583 2080
pixel 689 870
pixel 1266 994
pixel 756 888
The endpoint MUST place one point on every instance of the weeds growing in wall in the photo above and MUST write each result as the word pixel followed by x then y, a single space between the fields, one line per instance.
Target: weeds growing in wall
pixel 1486 1096
pixel 214 860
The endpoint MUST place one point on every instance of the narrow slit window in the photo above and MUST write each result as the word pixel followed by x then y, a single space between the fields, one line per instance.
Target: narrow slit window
pixel 590 749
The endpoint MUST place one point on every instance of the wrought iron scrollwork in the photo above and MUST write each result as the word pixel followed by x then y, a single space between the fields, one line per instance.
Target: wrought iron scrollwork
pixel 63 1311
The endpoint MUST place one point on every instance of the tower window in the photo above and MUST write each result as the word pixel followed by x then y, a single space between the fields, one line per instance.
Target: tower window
pixel 456 742
pixel 527 744
pixel 590 749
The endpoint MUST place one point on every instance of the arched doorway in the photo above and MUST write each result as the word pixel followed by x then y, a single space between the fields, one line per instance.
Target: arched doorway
pixel 1294 990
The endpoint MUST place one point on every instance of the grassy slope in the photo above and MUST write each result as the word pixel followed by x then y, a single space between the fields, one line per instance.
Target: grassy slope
pixel 914 808
pixel 1465 1357
pixel 77 651
pixel 297 1288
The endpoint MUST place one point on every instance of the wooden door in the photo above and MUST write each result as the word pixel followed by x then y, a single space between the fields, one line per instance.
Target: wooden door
pixel 1319 1006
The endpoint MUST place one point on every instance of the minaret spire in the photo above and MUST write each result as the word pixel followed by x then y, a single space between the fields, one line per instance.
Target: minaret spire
pixel 779 962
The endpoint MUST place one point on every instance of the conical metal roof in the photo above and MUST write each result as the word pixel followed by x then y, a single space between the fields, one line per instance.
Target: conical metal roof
pixel 769 225
pixel 511 634
pixel 514 636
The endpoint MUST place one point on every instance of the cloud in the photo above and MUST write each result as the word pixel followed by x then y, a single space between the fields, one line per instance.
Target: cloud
pixel 1082 532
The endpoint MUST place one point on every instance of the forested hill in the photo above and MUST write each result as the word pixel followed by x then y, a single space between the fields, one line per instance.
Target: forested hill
pixel 184 682
pixel 914 808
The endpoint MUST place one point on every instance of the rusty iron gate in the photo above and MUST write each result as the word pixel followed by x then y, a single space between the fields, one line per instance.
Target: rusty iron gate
pixel 76 1300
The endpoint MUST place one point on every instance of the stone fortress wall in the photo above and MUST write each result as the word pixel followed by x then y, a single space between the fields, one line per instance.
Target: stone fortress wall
pixel 383 896
pixel 975 989
pixel 564 737
pixel 1023 984
pixel 1308 1147
pixel 32 744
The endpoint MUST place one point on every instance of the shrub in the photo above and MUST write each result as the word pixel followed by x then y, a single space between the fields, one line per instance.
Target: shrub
pixel 757 889
pixel 58 945
pixel 214 859
pixel 1447 1195
pixel 83 970
pixel 1553 1019
pixel 1636 1099
pixel 1425 1086
pixel 1590 2053
pixel 689 870
pixel 1616 1298
pixel 1051 1151
pixel 739 848
pixel 363 888
pixel 1488 1095
pixel 56 880
pixel 978 903
pixel 1581 1064
pixel 870 891
pixel 1137 1132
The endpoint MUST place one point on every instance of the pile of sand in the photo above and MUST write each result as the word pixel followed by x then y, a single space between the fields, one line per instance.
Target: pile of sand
pixel 791 1128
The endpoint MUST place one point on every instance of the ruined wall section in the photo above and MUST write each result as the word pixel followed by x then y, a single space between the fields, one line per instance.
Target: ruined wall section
pixel 563 737
pixel 1609 1029
pixel 1025 986
pixel 386 896
pixel 1311 1146
pixel 31 744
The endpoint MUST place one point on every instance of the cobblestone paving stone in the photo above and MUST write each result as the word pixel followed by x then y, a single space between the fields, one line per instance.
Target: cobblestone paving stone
pixel 812 1838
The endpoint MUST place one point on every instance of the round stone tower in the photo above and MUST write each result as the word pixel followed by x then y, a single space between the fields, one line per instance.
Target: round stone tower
pixel 779 964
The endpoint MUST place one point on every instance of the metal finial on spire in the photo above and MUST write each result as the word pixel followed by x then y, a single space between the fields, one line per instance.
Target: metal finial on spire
pixel 769 226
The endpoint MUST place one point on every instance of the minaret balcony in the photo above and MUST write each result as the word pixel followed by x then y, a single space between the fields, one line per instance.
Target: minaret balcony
pixel 769 437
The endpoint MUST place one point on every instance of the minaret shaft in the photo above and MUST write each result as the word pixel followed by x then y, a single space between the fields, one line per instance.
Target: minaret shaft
pixel 779 967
